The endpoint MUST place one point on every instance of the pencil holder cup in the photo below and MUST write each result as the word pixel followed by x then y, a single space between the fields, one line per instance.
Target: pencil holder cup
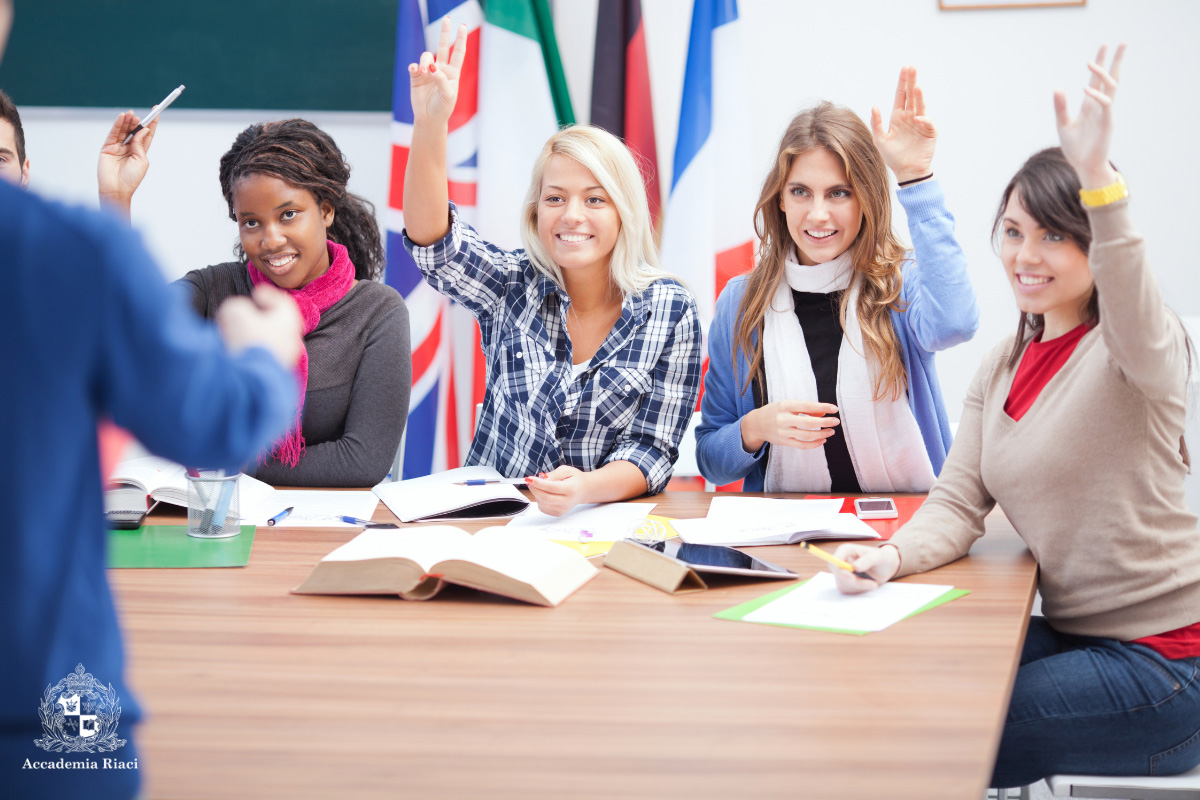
pixel 213 505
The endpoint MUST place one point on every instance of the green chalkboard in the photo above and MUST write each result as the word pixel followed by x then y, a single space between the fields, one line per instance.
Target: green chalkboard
pixel 332 55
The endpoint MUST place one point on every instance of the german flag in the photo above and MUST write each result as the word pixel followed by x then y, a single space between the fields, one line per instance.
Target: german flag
pixel 621 88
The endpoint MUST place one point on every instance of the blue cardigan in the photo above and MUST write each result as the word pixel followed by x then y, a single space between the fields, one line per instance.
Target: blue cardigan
pixel 940 312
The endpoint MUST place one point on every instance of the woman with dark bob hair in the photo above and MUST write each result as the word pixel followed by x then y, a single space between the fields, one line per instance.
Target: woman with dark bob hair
pixel 301 230
pixel 1075 427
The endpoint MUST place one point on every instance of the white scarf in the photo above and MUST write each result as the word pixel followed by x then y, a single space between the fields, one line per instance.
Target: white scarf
pixel 882 436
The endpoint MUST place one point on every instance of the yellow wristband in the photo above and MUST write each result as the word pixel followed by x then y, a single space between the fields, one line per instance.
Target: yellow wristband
pixel 1094 198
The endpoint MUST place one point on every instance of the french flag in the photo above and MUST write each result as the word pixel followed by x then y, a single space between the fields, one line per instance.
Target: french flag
pixel 445 348
pixel 708 229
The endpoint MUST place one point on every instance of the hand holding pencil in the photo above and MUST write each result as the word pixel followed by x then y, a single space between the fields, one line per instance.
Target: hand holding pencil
pixel 858 568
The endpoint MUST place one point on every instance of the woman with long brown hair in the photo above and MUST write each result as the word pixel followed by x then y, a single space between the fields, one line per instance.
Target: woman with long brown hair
pixel 821 374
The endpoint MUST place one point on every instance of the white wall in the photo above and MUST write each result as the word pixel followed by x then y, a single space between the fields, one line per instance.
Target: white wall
pixel 987 75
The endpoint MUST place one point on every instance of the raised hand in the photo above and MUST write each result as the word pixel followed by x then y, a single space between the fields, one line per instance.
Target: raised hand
pixel 908 143
pixel 434 81
pixel 1085 140
pixel 121 167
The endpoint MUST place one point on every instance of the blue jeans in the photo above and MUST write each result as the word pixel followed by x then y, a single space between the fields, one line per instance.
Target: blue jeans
pixel 1098 707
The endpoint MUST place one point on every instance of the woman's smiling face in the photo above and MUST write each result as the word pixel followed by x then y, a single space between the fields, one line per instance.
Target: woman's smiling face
pixel 282 228
pixel 1049 273
pixel 823 215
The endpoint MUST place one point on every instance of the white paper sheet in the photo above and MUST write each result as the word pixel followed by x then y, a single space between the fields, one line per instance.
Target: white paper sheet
pixel 313 509
pixel 818 604
pixel 606 522
pixel 775 513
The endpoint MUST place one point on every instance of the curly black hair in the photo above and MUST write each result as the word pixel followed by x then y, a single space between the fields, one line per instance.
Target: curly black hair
pixel 301 154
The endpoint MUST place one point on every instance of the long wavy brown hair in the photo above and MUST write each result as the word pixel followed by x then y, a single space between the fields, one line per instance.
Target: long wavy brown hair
pixel 877 253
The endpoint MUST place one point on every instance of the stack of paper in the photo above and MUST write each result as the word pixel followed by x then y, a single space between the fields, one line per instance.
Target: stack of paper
pixel 748 521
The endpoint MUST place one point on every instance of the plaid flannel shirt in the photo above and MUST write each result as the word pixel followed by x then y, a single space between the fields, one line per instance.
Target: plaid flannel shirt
pixel 634 401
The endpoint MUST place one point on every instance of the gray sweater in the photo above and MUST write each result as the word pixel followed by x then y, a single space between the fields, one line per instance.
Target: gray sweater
pixel 359 376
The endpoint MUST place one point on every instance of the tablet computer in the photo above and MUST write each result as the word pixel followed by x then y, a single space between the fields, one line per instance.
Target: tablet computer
pixel 717 560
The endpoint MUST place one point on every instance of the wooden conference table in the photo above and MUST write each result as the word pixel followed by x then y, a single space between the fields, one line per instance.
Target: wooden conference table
pixel 621 692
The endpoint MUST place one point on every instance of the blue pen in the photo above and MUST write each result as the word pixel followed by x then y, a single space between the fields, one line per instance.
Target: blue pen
pixel 280 516
pixel 486 481
pixel 223 501
pixel 366 523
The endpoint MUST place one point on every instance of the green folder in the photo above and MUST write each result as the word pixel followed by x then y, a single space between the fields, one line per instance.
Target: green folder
pixel 738 612
pixel 170 546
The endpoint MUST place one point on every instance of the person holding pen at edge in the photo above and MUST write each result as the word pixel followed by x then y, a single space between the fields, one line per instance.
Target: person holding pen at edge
pixel 1090 397
pixel 299 228
pixel 94 332
pixel 593 352
pixel 821 359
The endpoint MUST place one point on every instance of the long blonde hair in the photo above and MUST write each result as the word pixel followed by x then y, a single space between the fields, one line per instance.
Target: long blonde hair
pixel 634 263
pixel 877 253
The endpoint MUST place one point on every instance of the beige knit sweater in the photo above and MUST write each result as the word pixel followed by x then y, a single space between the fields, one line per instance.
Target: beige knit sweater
pixel 1091 476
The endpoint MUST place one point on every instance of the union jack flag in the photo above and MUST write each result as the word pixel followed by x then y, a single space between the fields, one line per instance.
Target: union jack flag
pixel 447 365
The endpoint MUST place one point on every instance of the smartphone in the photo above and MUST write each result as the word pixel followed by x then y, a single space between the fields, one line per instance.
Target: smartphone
pixel 875 508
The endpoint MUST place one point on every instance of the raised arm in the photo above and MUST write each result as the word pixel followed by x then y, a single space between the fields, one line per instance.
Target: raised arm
pixel 908 143
pixel 433 86
pixel 1144 338
pixel 121 167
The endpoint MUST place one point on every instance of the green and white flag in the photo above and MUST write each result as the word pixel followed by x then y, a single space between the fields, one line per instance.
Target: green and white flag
pixel 523 100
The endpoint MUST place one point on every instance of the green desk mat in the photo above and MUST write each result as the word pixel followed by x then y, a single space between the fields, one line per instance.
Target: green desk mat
pixel 738 612
pixel 170 546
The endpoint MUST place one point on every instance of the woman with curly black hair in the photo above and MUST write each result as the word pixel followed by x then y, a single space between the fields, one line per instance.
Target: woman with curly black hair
pixel 301 230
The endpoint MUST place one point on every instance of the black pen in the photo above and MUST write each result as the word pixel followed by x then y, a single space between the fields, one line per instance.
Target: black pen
pixel 280 516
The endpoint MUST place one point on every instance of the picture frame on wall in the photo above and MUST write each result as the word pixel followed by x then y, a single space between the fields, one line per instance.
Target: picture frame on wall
pixel 967 5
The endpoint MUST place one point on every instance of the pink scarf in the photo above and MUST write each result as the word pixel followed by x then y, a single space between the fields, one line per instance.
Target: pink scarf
pixel 313 298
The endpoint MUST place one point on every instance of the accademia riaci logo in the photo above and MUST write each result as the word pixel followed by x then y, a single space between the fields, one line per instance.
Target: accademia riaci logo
pixel 79 715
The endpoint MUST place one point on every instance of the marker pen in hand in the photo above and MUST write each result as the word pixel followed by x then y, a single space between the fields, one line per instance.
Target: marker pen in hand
pixel 154 112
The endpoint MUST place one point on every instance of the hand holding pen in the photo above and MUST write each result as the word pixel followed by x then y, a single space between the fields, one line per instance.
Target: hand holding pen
pixel 154 112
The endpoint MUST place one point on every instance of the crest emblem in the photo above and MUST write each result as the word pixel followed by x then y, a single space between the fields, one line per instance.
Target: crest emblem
pixel 79 715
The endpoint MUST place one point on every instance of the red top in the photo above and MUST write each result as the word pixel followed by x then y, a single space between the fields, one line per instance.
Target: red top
pixel 1041 362
pixel 1179 643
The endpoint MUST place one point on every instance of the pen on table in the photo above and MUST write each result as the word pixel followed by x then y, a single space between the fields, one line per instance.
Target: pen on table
pixel 366 523
pixel 486 481
pixel 154 112
pixel 280 516
pixel 837 562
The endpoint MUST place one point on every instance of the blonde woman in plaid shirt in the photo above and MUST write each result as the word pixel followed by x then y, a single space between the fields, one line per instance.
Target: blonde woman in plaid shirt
pixel 593 351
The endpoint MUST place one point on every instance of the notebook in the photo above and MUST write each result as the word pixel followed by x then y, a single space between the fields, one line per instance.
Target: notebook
pixel 437 497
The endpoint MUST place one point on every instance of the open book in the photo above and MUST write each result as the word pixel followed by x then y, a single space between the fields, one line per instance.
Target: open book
pixel 166 482
pixel 747 521
pixel 439 497
pixel 416 563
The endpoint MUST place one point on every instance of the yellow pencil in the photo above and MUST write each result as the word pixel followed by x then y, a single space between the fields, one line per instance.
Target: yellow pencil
pixel 832 559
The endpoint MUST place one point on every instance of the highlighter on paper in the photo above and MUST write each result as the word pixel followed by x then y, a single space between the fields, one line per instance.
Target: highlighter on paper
pixel 837 562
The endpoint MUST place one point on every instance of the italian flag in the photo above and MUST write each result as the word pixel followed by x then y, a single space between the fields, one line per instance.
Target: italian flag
pixel 523 100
